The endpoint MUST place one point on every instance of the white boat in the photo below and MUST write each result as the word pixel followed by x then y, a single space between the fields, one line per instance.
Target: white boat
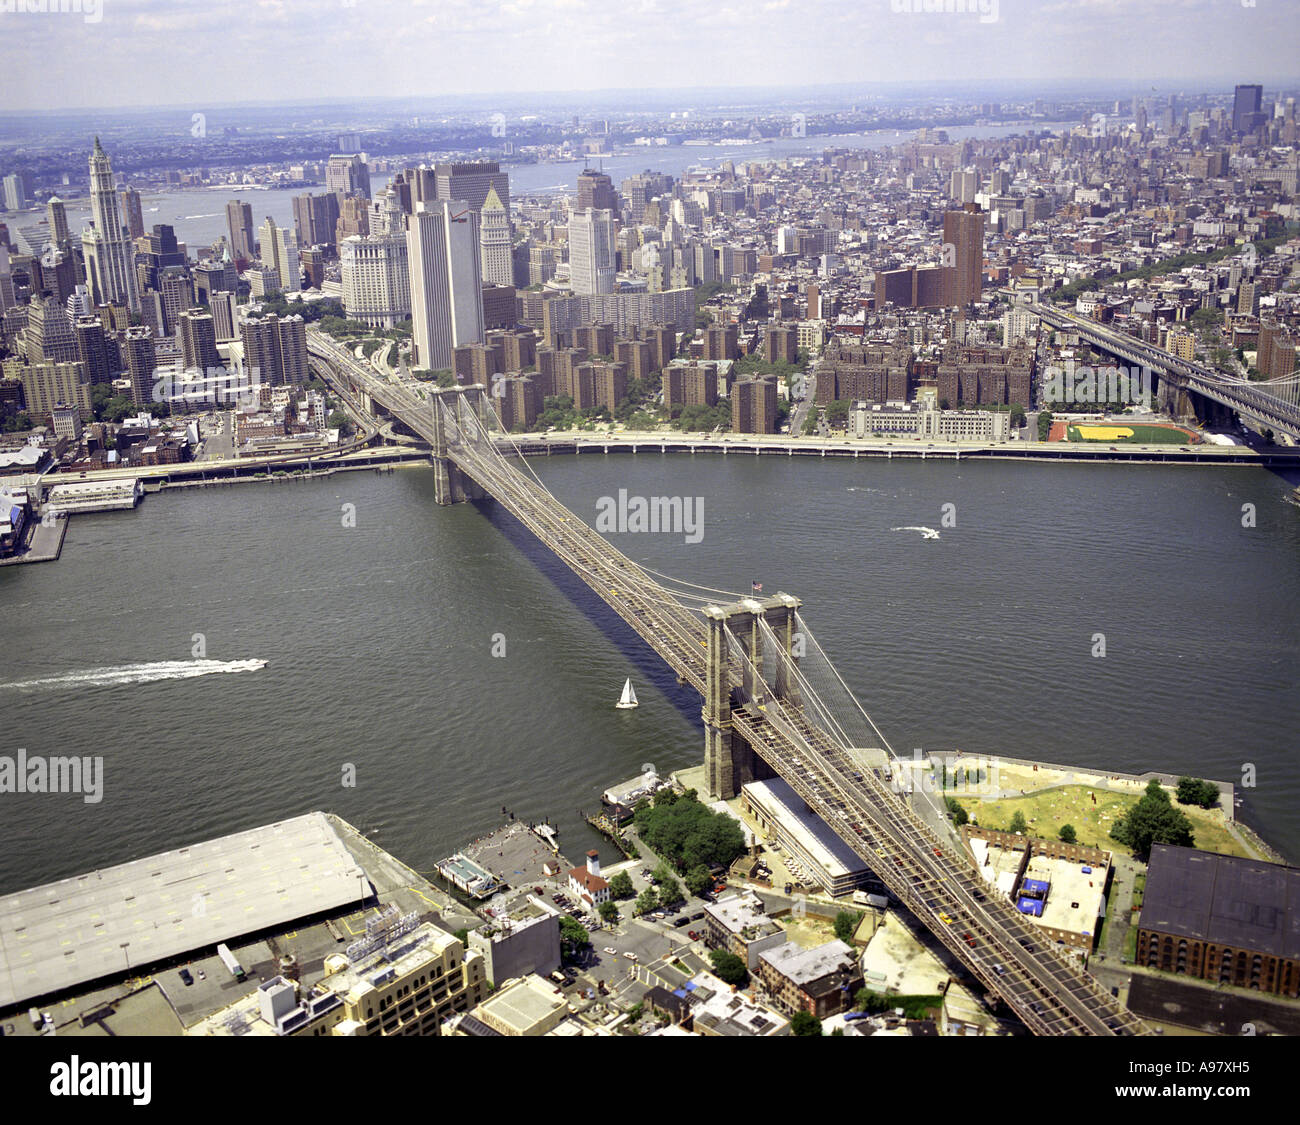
pixel 628 698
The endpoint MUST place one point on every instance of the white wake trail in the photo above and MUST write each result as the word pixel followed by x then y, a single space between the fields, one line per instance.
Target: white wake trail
pixel 136 674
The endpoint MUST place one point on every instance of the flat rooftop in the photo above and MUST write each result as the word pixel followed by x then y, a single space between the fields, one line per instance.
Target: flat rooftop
pixel 783 805
pixel 1226 900
pixel 1074 900
pixel 105 923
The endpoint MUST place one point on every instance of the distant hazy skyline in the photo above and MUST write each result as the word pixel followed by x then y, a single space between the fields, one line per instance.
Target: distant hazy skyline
pixel 176 52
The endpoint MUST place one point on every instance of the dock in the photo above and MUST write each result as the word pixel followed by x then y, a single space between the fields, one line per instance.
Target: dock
pixel 44 542
pixel 518 854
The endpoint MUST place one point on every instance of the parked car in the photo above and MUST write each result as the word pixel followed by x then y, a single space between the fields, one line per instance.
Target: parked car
pixel 187 977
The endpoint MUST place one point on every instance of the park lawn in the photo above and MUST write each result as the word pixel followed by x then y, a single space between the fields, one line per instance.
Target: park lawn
pixel 1136 433
pixel 1047 809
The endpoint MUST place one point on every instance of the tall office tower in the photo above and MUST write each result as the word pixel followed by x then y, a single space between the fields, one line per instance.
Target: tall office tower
pixel 964 231
pixel 349 143
pixel 198 336
pixel 176 288
pixel 592 261
pixel 155 252
pixel 494 242
pixel 215 277
pixel 470 183
pixel 963 185
pixel 56 214
pixel 279 251
pixel 239 221
pixel 316 218
pixel 48 336
pixel 642 188
pixel 446 281
pixel 7 297
pixel 1246 102
pixel 376 279
pixel 15 193
pixel 138 357
pixel 132 212
pixel 387 216
pixel 152 313
pixel 596 190
pixel 106 247
pixel 347 174
pixel 275 350
pixel 354 218
pixel 92 350
pixel 225 317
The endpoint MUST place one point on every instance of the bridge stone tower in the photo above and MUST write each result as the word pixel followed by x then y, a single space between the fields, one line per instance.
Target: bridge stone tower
pixel 729 761
pixel 451 485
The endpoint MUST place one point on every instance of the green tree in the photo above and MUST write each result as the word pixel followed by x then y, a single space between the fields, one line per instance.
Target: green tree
pixel 1044 424
pixel 729 968
pixel 608 912
pixel 1068 834
pixel 1194 791
pixel 1153 820
pixel 805 1023
pixel 340 421
pixel 573 934
pixel 647 901
pixel 846 925
pixel 670 891
pixel 837 413
pixel 621 886
pixel 663 872
pixel 698 880
pixel 959 815
pixel 1018 823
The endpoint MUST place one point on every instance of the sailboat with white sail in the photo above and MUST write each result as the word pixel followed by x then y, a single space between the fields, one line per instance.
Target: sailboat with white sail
pixel 628 698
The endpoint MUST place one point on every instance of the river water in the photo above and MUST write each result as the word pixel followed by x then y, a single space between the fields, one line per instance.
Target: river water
pixel 378 641
pixel 199 216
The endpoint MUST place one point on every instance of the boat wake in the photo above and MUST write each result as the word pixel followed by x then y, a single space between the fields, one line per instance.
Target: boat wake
pixel 926 532
pixel 136 674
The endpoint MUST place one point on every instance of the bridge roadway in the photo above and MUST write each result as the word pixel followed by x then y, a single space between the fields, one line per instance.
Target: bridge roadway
pixel 930 876
pixel 1246 398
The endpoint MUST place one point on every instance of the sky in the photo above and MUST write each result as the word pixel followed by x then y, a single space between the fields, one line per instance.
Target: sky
pixel 108 53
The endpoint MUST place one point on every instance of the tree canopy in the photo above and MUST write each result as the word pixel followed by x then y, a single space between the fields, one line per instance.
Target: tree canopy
pixel 1153 820
pixel 1194 791
pixel 729 968
pixel 689 833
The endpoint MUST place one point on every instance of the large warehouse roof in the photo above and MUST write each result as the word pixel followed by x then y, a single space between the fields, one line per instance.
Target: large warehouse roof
pixel 104 923
pixel 1241 903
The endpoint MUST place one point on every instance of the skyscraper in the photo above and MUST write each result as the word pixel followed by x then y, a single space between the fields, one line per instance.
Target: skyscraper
pixel 347 174
pixel 494 242
pixel 15 194
pixel 963 237
pixel 595 189
pixel 56 213
pixel 239 220
pixel 137 347
pixel 198 337
pixel 279 251
pixel 592 267
pixel 470 183
pixel 106 246
pixel 132 212
pixel 1246 102
pixel 446 281
pixel 275 350
pixel 315 218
